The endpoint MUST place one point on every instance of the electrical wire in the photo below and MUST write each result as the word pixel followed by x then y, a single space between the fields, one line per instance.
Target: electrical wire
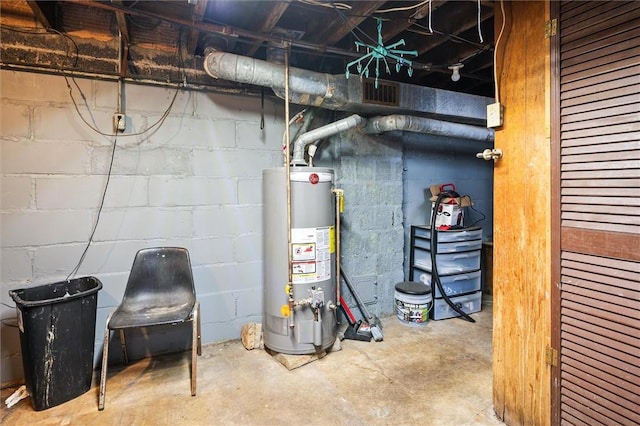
pixel 342 6
pixel 345 19
pixel 95 225
pixel 451 37
pixel 113 152
pixel 477 211
pixel 495 54
pixel 479 26
pixel 402 9
pixel 94 127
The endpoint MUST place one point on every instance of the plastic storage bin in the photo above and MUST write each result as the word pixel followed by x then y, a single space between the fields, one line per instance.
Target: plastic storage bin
pixel 448 263
pixel 469 303
pixel 450 236
pixel 452 247
pixel 454 284
pixel 57 332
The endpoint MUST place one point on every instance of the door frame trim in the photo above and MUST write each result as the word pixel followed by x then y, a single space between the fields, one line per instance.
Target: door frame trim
pixel 556 247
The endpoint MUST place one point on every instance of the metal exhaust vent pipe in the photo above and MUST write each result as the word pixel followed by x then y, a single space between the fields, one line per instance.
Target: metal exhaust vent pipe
pixel 322 132
pixel 308 87
pixel 428 125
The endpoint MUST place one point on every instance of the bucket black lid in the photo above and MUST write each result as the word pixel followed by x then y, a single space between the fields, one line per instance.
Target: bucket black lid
pixel 413 287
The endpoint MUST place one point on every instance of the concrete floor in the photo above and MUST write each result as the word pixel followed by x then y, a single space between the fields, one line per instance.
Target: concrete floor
pixel 437 374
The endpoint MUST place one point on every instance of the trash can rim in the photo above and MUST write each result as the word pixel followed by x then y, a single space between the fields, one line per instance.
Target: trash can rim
pixel 20 302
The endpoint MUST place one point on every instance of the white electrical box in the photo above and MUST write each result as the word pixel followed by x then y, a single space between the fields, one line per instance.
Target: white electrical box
pixel 119 122
pixel 494 115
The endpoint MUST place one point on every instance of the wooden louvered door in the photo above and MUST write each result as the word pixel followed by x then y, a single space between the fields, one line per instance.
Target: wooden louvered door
pixel 597 183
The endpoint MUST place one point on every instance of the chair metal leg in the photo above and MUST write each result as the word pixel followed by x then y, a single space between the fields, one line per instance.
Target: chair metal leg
pixel 105 359
pixel 195 346
pixel 123 343
pixel 199 331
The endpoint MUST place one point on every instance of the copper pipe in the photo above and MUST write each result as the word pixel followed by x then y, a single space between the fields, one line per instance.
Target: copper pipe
pixel 287 166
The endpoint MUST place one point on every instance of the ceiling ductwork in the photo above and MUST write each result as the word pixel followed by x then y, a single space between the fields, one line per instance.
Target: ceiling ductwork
pixel 389 123
pixel 336 92
pixel 442 112
pixel 414 124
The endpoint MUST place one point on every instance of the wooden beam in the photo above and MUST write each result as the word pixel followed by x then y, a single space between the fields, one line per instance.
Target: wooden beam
pixel 225 30
pixel 277 10
pixel 458 21
pixel 395 27
pixel 45 12
pixel 336 30
pixel 197 15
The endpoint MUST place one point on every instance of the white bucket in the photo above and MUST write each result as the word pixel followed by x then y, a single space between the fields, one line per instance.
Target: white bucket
pixel 413 302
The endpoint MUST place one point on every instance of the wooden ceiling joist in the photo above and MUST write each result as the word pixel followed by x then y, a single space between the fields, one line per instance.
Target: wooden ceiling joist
pixel 277 9
pixel 197 15
pixel 44 12
pixel 339 28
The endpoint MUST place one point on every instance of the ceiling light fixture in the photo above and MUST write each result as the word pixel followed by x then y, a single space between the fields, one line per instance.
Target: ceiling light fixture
pixel 455 74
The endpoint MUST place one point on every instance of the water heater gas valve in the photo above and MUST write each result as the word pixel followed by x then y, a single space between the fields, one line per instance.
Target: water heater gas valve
pixel 317 298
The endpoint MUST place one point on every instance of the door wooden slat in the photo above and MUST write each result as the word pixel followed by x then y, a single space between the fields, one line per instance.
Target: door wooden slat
pixel 603 63
pixel 601 139
pixel 610 264
pixel 595 226
pixel 588 300
pixel 622 113
pixel 614 366
pixel 611 147
pixel 586 50
pixel 592 208
pixel 598 310
pixel 621 274
pixel 599 83
pixel 609 201
pixel 599 328
pixel 601 174
pixel 607 410
pixel 599 122
pixel 599 386
pixel 603 192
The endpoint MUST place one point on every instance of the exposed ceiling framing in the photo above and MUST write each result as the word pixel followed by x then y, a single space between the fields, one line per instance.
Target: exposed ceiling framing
pixel 164 41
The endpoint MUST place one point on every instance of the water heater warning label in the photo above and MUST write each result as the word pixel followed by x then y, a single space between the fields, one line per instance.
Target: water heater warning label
pixel 306 251
pixel 311 254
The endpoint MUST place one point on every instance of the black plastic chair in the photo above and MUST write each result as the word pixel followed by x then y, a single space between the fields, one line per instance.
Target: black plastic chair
pixel 160 291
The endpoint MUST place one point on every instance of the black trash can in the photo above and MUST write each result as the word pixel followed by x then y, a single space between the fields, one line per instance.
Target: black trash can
pixel 57 332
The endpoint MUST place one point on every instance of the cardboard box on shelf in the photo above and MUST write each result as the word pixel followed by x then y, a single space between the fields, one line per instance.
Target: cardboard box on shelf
pixel 450 211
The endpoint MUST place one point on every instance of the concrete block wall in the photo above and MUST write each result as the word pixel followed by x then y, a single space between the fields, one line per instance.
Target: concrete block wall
pixel 431 160
pixel 194 182
pixel 369 170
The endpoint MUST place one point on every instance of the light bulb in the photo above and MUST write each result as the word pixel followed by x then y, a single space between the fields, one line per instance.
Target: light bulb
pixel 455 74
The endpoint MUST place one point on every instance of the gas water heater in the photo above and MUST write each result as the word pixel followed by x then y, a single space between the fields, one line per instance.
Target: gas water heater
pixel 299 316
